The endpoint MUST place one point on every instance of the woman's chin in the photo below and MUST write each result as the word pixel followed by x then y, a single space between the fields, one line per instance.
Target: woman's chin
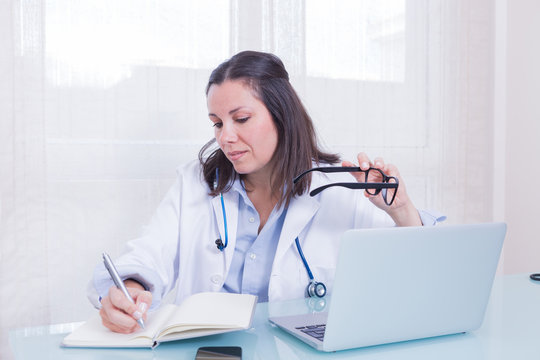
pixel 242 170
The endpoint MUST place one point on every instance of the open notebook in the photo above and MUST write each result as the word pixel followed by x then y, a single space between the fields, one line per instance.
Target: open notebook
pixel 196 316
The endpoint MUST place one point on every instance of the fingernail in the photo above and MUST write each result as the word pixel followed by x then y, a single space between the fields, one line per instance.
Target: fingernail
pixel 142 307
pixel 137 315
pixel 364 165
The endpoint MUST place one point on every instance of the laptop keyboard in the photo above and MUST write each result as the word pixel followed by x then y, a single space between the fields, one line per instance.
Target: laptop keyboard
pixel 317 331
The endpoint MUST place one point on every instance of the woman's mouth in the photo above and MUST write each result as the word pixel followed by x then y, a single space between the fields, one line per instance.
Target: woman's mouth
pixel 235 155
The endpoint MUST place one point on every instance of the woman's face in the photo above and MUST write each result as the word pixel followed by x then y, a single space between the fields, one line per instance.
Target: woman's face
pixel 243 127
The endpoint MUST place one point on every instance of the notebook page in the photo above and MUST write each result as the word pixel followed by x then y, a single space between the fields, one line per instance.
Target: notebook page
pixel 214 309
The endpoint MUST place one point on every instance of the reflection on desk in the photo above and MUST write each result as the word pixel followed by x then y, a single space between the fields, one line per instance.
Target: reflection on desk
pixel 510 330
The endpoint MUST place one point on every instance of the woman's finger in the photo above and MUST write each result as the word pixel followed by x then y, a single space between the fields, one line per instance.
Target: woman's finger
pixel 359 176
pixel 118 313
pixel 116 327
pixel 379 163
pixel 120 301
pixel 143 300
pixel 116 316
pixel 363 161
pixel 392 170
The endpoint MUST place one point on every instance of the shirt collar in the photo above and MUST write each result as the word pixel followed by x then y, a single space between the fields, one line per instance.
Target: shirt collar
pixel 238 187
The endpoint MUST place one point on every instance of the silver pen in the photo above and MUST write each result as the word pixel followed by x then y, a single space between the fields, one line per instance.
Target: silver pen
pixel 118 282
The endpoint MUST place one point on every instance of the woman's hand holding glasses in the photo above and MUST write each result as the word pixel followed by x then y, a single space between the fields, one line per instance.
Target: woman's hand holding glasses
pixel 381 183
pixel 401 208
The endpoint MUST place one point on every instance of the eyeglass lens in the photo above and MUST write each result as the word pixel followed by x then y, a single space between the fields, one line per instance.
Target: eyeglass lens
pixel 389 194
pixel 374 175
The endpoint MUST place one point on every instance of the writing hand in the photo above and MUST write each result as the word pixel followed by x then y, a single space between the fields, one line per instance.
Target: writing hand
pixel 118 314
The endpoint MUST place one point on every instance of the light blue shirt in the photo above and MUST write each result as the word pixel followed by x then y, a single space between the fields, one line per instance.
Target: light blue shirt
pixel 254 253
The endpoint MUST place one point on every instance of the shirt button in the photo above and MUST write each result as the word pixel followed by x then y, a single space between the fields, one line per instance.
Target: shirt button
pixel 216 279
pixel 251 219
pixel 252 256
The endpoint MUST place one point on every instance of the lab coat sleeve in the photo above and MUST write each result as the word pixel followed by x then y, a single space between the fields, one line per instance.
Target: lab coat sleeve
pixel 431 217
pixel 151 259
pixel 370 216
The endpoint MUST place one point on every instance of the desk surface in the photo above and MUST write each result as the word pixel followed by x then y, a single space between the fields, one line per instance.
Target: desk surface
pixel 511 330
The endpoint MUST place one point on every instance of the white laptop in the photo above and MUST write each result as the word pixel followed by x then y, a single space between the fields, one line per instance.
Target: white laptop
pixel 404 283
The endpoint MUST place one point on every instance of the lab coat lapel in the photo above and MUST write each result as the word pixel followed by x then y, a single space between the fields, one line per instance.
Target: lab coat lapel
pixel 301 211
pixel 231 210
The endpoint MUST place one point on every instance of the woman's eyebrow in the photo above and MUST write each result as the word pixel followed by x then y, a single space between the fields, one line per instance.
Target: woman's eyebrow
pixel 230 112
pixel 234 110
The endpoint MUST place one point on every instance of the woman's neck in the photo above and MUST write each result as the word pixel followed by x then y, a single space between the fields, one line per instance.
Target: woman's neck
pixel 259 191
pixel 257 183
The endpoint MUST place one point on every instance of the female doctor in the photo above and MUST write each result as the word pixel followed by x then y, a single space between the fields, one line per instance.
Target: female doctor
pixel 234 221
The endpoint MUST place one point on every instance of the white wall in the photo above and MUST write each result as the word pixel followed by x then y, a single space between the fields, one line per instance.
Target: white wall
pixel 522 170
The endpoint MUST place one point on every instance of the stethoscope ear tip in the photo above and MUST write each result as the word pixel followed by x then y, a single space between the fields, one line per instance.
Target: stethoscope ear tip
pixel 219 244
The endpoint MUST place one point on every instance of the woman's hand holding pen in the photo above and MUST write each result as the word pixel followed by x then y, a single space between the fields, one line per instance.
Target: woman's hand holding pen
pixel 402 210
pixel 118 314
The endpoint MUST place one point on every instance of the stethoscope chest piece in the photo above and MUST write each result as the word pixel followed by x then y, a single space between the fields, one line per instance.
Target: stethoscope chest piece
pixel 316 289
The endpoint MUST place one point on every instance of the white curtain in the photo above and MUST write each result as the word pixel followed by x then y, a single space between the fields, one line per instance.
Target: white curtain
pixel 100 101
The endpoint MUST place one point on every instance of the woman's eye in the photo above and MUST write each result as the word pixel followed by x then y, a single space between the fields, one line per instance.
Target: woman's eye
pixel 243 120
pixel 218 125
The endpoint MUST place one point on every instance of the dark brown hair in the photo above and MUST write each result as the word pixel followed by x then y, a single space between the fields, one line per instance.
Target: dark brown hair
pixel 297 144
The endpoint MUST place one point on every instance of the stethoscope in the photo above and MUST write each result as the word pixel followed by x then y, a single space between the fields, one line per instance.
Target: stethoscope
pixel 314 288
pixel 219 242
pixel 535 277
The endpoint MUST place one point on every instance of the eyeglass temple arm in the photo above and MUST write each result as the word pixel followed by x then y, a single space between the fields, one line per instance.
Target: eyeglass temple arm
pixel 329 169
pixel 375 186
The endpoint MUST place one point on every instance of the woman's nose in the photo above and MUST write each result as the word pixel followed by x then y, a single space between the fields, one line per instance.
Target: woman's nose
pixel 228 133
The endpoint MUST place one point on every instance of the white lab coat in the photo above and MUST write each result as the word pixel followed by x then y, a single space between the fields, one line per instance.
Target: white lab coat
pixel 178 247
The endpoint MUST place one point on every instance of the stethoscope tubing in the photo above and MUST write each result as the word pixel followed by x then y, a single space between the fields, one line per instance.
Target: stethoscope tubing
pixel 220 244
pixel 310 275
pixel 224 223
pixel 535 276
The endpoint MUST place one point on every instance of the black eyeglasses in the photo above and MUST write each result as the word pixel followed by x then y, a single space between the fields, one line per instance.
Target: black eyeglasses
pixel 375 182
